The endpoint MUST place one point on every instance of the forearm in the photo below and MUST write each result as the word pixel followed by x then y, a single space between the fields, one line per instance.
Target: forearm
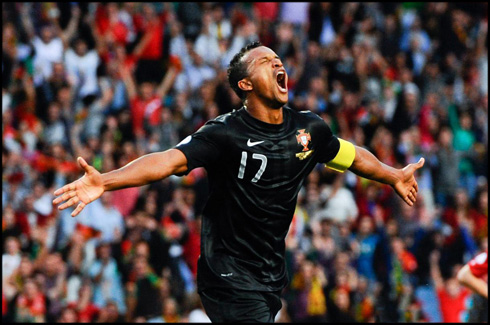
pixel 167 82
pixel 146 169
pixel 130 84
pixel 466 278
pixel 436 276
pixel 368 166
pixel 70 29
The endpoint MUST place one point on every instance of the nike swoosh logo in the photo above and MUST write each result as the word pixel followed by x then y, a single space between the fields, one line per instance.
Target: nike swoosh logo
pixel 251 144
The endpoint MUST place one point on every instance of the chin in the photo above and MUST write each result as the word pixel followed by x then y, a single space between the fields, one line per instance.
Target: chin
pixel 278 104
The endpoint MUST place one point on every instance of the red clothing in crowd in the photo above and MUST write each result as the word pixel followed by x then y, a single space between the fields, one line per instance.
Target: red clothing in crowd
pixel 86 314
pixel 145 109
pixel 36 306
pixel 154 49
pixel 453 308
pixel 117 29
pixel 479 221
pixel 408 261
pixel 4 304
pixel 266 10
pixel 192 246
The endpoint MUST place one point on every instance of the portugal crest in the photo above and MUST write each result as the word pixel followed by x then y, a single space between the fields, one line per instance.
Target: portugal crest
pixel 303 139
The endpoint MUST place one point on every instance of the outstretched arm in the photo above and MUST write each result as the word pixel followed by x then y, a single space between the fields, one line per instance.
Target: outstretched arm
pixel 466 278
pixel 144 170
pixel 402 180
pixel 363 163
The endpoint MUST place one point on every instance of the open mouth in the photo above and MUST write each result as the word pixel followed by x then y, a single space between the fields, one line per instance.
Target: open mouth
pixel 281 81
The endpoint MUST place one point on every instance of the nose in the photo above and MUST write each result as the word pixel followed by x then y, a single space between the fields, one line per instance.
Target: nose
pixel 277 63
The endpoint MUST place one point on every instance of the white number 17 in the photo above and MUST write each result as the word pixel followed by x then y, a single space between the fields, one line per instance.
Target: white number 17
pixel 243 164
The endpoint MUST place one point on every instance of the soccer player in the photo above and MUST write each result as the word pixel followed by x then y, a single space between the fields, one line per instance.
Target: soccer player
pixel 471 275
pixel 257 159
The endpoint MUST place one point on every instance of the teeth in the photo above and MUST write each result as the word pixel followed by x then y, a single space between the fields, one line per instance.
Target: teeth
pixel 280 76
pixel 281 80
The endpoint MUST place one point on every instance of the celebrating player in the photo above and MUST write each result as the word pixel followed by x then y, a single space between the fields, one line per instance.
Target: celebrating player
pixel 257 159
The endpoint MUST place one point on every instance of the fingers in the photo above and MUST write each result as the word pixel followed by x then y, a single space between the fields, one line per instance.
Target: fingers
pixel 411 196
pixel 414 166
pixel 64 197
pixel 69 203
pixel 414 191
pixel 408 201
pixel 78 209
pixel 64 189
pixel 83 164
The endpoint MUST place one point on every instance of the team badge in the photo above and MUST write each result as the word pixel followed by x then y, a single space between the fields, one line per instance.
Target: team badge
pixel 303 139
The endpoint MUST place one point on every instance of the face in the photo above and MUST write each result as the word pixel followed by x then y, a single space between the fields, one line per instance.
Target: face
pixel 81 47
pixel 68 316
pixel 12 247
pixel 146 89
pixel 105 252
pixel 30 289
pixel 267 77
pixel 46 34
pixel 342 299
pixel 365 226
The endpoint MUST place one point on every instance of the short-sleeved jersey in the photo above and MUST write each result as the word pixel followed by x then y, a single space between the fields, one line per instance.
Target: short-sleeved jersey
pixel 255 171
pixel 479 265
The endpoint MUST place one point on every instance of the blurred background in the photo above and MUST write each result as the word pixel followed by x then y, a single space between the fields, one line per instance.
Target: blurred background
pixel 112 81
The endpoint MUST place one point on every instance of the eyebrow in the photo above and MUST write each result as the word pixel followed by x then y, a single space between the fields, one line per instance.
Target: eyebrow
pixel 267 57
pixel 262 58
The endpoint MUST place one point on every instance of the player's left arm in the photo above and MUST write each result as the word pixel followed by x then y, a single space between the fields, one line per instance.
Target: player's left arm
pixel 466 278
pixel 363 163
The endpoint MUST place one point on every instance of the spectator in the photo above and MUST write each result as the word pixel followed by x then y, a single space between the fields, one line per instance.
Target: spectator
pixel 206 45
pixel 339 201
pixel 308 284
pixel 149 49
pixel 364 245
pixel 107 282
pixel 144 295
pixel 31 304
pixel 81 64
pixel 146 106
pixel 452 296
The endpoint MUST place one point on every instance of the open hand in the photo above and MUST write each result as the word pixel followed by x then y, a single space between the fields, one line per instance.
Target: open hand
pixel 407 186
pixel 84 190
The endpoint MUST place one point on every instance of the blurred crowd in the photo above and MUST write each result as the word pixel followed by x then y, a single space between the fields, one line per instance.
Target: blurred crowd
pixel 112 81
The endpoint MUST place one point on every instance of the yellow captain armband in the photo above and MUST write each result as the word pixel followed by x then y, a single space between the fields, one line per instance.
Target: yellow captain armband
pixel 345 157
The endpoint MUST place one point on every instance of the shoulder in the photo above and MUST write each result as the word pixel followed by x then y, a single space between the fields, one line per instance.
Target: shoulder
pixel 223 120
pixel 57 41
pixel 307 117
pixel 310 120
pixel 217 128
pixel 304 115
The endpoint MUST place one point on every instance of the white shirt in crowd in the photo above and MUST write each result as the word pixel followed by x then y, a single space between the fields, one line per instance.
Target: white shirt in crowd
pixel 83 71
pixel 46 55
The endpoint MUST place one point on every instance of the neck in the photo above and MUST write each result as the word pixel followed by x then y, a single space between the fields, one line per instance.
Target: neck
pixel 264 113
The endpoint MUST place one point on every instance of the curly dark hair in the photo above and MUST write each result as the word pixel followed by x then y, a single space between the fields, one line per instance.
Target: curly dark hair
pixel 237 70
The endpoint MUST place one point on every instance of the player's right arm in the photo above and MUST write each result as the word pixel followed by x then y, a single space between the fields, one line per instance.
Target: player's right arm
pixel 144 170
pixel 466 278
pixel 471 274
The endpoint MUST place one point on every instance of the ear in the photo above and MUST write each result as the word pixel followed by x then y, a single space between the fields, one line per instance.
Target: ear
pixel 245 85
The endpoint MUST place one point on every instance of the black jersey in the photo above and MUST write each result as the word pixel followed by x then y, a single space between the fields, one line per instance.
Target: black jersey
pixel 255 171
